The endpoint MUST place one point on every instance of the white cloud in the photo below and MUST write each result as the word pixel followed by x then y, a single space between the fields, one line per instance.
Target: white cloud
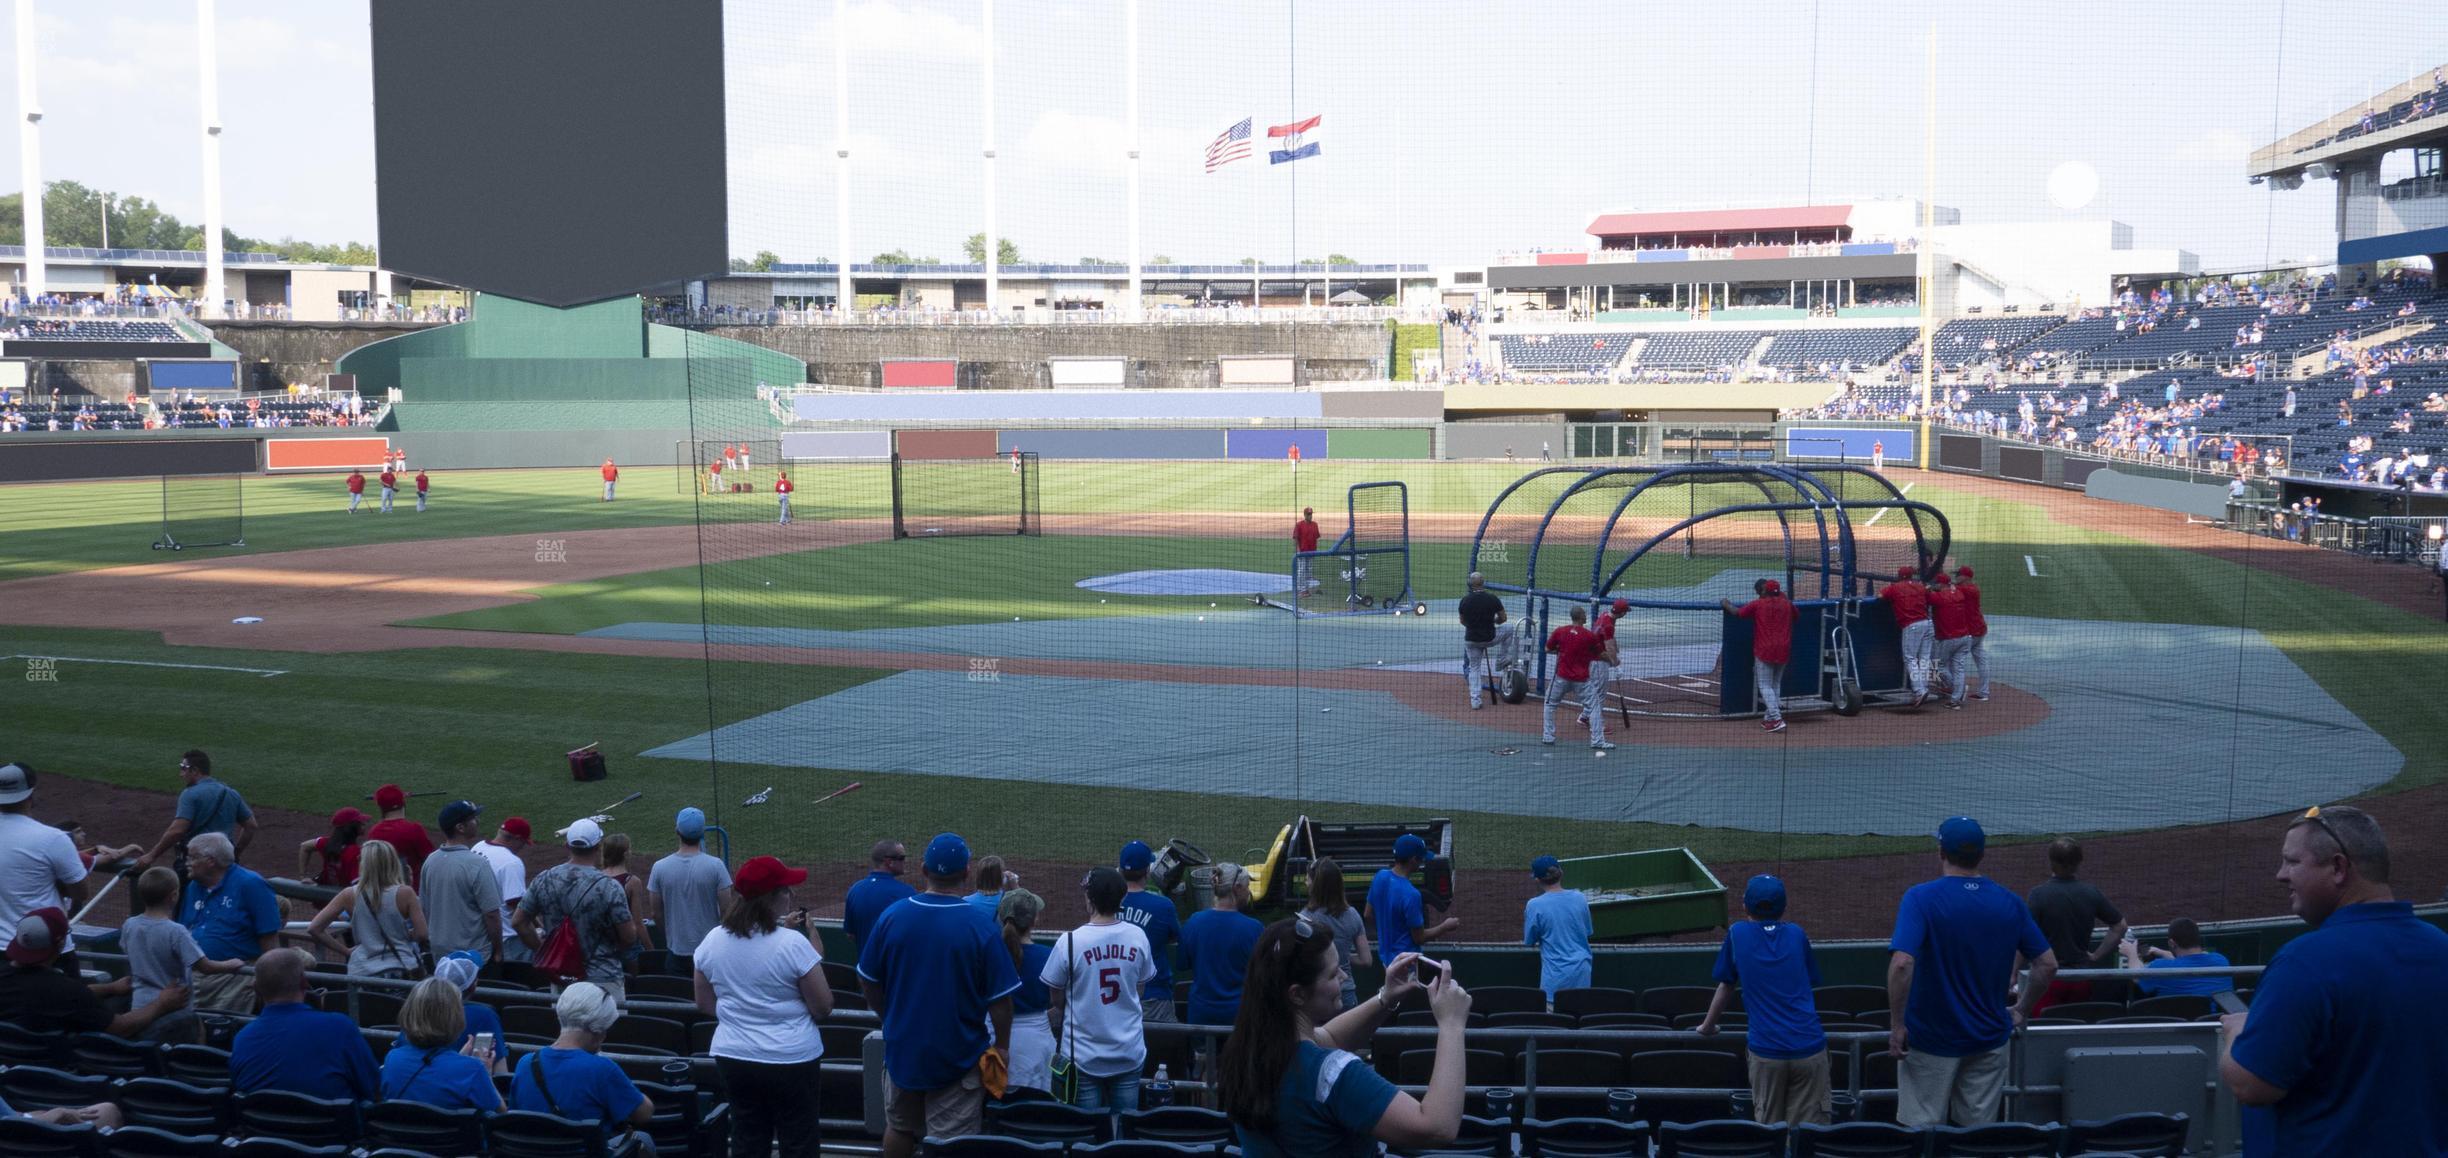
pixel 2216 147
pixel 883 33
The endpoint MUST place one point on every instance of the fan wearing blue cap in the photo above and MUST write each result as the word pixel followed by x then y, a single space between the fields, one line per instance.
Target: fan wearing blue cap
pixel 1395 903
pixel 935 970
pixel 1154 915
pixel 1770 959
pixel 684 890
pixel 1557 921
pixel 1949 985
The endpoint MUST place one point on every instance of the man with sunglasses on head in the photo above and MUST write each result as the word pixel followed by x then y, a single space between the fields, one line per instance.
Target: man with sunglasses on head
pixel 206 805
pixel 2345 1048
pixel 876 891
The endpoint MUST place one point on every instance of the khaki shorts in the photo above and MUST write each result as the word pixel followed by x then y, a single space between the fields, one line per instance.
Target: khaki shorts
pixel 956 1110
pixel 1934 1091
pixel 1790 1090
pixel 223 992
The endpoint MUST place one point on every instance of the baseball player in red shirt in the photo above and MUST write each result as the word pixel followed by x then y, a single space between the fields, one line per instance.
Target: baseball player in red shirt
pixel 1575 646
pixel 390 487
pixel 1954 629
pixel 356 486
pixel 782 494
pixel 1911 603
pixel 611 475
pixel 422 483
pixel 1978 653
pixel 714 474
pixel 1602 670
pixel 1304 538
pixel 1772 619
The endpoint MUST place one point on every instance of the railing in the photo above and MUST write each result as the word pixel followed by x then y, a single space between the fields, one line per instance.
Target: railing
pixel 1038 316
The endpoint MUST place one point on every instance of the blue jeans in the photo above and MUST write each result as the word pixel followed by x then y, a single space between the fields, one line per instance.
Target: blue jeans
pixel 1118 1094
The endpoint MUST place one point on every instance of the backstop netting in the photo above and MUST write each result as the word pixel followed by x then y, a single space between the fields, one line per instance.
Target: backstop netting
pixel 202 510
pixel 934 497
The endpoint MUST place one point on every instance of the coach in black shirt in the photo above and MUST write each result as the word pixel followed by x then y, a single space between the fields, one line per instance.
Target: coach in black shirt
pixel 2066 910
pixel 1480 613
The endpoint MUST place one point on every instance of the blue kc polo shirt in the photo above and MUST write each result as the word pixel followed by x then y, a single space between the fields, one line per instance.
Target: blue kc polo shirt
pixel 2349 1020
pixel 230 921
pixel 1963 934
pixel 941 962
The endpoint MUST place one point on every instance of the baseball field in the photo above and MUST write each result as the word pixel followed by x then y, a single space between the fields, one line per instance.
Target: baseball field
pixel 2162 687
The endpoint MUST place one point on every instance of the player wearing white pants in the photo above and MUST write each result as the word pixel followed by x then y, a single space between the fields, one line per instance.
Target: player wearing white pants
pixel 1483 630
pixel 1602 669
pixel 1978 653
pixel 1575 646
pixel 1954 632
pixel 1910 601
pixel 1772 619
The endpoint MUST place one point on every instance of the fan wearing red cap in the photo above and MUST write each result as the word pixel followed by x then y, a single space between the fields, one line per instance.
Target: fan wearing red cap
pixel 1977 654
pixel 336 851
pixel 1602 669
pixel 1771 616
pixel 1910 602
pixel 407 837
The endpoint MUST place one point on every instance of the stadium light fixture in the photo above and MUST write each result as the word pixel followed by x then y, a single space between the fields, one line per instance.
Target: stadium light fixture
pixel 2438 531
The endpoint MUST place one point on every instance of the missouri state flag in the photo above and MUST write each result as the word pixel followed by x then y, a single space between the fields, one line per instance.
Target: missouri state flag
pixel 1289 138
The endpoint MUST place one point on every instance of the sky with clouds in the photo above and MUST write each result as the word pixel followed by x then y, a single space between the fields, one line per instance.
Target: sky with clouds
pixel 1451 128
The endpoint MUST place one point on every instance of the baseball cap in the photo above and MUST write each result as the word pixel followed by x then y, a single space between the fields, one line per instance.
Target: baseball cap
pixel 690 824
pixel 583 834
pixel 1965 572
pixel 347 816
pixel 1136 855
pixel 1770 587
pixel 1408 846
pixel 389 796
pixel 456 813
pixel 1941 579
pixel 39 936
pixel 1622 605
pixel 1961 834
pixel 517 826
pixel 1764 896
pixel 764 874
pixel 1544 865
pixel 459 968
pixel 1904 572
pixel 16 783
pixel 946 855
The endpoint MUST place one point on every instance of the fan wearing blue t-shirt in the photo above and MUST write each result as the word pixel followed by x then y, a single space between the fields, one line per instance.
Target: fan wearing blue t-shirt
pixel 1770 958
pixel 2184 951
pixel 935 970
pixel 1950 977
pixel 1155 916
pixel 1394 903
pixel 2341 1051
pixel 429 1065
pixel 877 891
pixel 1557 920
pixel 571 1078
pixel 1215 946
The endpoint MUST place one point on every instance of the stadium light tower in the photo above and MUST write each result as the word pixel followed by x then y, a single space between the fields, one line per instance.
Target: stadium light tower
pixel 986 94
pixel 208 101
pixel 1130 120
pixel 843 300
pixel 29 153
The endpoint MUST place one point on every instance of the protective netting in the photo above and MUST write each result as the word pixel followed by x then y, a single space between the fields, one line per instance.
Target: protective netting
pixel 992 495
pixel 745 466
pixel 202 511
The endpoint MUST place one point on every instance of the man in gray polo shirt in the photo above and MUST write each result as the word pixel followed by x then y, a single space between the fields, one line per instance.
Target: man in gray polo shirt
pixel 461 894
pixel 686 890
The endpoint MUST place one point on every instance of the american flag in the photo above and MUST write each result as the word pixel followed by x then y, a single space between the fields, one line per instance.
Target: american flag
pixel 1231 145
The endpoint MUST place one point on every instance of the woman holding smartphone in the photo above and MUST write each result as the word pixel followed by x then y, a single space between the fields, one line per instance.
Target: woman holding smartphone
pixel 762 980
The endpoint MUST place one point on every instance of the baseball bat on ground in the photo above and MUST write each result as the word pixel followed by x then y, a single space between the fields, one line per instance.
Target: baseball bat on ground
pixel 852 786
pixel 604 815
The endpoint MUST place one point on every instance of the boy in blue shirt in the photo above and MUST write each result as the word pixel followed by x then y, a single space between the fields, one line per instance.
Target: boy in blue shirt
pixel 1771 959
pixel 2184 951
pixel 1558 922
pixel 1155 916
pixel 1394 903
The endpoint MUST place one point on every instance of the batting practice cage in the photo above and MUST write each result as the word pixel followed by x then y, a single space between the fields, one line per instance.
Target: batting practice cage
pixel 965 496
pixel 202 510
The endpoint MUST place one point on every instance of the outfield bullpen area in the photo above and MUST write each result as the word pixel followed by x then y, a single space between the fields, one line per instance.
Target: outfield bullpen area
pixel 2167 681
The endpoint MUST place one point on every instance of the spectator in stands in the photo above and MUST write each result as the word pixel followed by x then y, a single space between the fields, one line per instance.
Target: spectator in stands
pixel 1216 943
pixel 577 890
pixel 335 852
pixel 502 852
pixel 233 914
pixel 570 1078
pixel 937 974
pixel 992 879
pixel 440 1064
pixel 1394 902
pixel 1949 978
pixel 633 892
pixel 39 865
pixel 1331 906
pixel 162 955
pixel 760 977
pixel 2184 951
pixel 291 1046
pixel 1771 959
pixel 875 892
pixel 684 890
pixel 461 894
pixel 2342 1044
pixel 2067 909
pixel 37 995
pixel 460 969
pixel 1557 921
pixel 206 805
pixel 1289 1077
pixel 386 921
pixel 406 837
pixel 1096 1019
pixel 1032 1057
pixel 1155 916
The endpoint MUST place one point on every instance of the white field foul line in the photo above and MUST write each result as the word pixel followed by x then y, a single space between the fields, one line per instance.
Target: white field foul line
pixel 1882 511
pixel 2033 567
pixel 265 672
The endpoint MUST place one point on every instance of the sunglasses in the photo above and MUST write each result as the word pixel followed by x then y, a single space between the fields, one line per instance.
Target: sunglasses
pixel 1302 930
pixel 2313 814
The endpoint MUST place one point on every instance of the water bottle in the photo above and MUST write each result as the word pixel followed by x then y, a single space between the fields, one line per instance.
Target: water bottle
pixel 1159 1090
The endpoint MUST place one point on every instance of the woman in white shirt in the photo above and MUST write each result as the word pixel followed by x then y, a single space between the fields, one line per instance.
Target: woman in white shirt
pixel 761 979
pixel 1093 981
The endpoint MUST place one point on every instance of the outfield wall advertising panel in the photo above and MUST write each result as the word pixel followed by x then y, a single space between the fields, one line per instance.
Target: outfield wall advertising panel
pixel 944 443
pixel 67 459
pixel 837 444
pixel 1258 371
pixel 1056 445
pixel 325 453
pixel 1274 443
pixel 1960 451
pixel 916 374
pixel 1851 443
pixel 1087 372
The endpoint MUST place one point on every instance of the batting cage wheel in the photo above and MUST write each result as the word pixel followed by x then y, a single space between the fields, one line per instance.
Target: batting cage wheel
pixel 1516 686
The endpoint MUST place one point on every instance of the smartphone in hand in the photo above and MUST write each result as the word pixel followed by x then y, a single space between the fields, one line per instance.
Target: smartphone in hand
pixel 1428 971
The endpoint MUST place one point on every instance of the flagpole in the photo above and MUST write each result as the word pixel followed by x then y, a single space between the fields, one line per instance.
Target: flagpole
pixel 986 93
pixel 1130 104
